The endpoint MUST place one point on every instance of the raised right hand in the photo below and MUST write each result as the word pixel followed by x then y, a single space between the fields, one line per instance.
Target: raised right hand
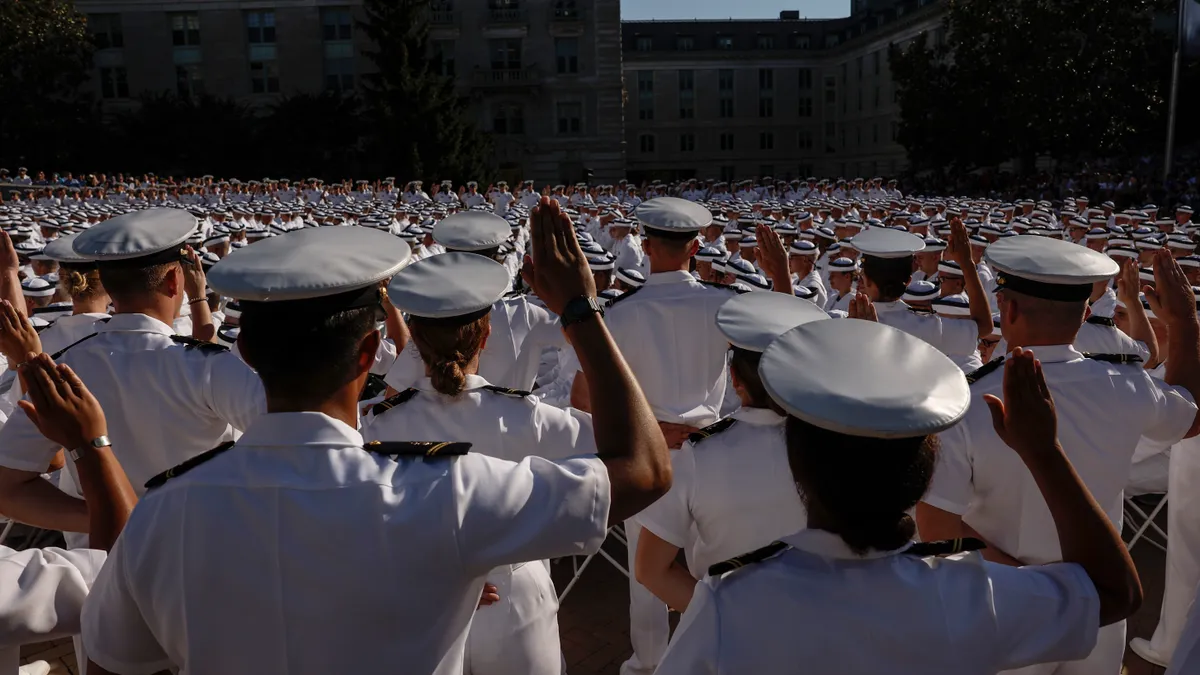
pixel 1026 419
pixel 556 270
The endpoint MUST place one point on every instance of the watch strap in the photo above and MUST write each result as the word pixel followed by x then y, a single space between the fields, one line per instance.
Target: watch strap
pixel 579 309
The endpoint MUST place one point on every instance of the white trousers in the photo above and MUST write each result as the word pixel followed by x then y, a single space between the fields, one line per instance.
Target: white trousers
pixel 1105 659
pixel 1183 547
pixel 519 634
pixel 649 628
pixel 1186 658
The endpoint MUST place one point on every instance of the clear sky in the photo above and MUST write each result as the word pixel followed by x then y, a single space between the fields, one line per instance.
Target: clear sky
pixel 736 9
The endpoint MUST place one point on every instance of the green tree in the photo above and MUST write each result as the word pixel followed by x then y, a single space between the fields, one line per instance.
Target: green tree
pixel 418 125
pixel 169 134
pixel 45 55
pixel 1020 78
pixel 330 128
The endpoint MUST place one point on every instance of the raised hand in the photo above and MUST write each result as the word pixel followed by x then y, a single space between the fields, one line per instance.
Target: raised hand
pixel 59 405
pixel 18 338
pixel 556 270
pixel 1026 419
pixel 1171 298
pixel 861 307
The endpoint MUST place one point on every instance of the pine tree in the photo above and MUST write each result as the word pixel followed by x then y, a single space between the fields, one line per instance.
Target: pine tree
pixel 418 126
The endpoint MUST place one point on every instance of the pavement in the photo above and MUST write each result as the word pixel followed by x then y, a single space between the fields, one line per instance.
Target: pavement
pixel 594 618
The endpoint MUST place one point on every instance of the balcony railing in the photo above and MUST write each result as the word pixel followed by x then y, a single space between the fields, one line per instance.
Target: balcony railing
pixel 566 12
pixel 506 15
pixel 506 77
pixel 443 17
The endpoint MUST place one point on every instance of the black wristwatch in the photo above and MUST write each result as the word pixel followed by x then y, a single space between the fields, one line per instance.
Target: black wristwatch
pixel 580 309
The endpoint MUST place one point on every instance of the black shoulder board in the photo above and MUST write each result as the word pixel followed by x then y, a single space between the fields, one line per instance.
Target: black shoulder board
pixel 386 405
pixel 62 351
pixel 925 549
pixel 187 466
pixel 517 292
pixel 373 387
pixel 921 310
pixel 417 448
pixel 727 287
pixel 1114 358
pixel 768 551
pixel 711 430
pixel 193 343
pixel 504 391
pixel 987 369
pixel 1101 321
pixel 624 295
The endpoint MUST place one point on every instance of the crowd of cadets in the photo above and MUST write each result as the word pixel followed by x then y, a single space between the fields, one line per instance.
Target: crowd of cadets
pixel 467 384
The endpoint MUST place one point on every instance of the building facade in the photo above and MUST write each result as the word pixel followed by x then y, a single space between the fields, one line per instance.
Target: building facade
pixel 543 76
pixel 783 98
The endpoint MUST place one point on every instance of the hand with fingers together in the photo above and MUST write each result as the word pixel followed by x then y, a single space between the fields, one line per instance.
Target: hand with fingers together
pixel 1171 298
pixel 59 404
pixel 1026 419
pixel 556 268
pixel 861 307
pixel 17 335
pixel 773 258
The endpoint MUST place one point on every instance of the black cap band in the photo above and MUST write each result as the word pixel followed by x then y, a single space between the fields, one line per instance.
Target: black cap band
pixel 670 234
pixel 170 255
pixel 369 296
pixel 1043 290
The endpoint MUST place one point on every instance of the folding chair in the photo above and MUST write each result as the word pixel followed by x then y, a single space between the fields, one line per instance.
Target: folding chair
pixel 617 532
pixel 1146 528
pixel 8 526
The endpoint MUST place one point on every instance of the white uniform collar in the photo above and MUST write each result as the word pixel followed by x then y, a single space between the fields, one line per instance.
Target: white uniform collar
pixel 472 382
pixel 674 277
pixel 760 416
pixel 829 545
pixel 891 306
pixel 1055 353
pixel 299 428
pixel 135 323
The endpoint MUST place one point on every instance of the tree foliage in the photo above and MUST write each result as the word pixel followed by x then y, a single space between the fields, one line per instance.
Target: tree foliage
pixel 1020 78
pixel 45 54
pixel 419 126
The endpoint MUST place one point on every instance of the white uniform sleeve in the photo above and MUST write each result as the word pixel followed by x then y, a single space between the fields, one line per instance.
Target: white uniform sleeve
pixel 115 634
pixel 234 391
pixel 958 336
pixel 23 447
pixel 951 489
pixel 385 356
pixel 1170 413
pixel 670 518
pixel 696 645
pixel 407 370
pixel 536 509
pixel 42 592
pixel 1044 614
pixel 562 433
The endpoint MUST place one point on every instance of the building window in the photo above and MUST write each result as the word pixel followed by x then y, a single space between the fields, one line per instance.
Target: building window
pixel 831 89
pixel 337 24
pixel 113 83
pixel 875 57
pixel 687 95
pixel 725 81
pixel 189 81
pixel 264 77
pixel 566 9
pixel 800 42
pixel 645 43
pixel 766 106
pixel 443 56
pixel 766 79
pixel 806 79
pixel 570 118
pixel 859 67
pixel 766 42
pixel 645 87
pixel 727 173
pixel 106 31
pixel 726 142
pixel 724 42
pixel 339 75
pixel 806 107
pixel 766 140
pixel 260 27
pixel 646 143
pixel 685 43
pixel 687 142
pixel 509 119
pixel 832 41
pixel 877 97
pixel 804 140
pixel 505 53
pixel 185 30
pixel 726 108
pixel 566 55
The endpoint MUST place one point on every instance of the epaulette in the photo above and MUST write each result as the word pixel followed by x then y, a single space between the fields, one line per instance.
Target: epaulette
pixel 517 292
pixel 187 466
pixel 711 430
pixel 417 448
pixel 1114 358
pixel 373 387
pixel 987 369
pixel 1101 321
pixel 719 285
pixel 193 343
pixel 505 391
pixel 389 403
pixel 623 296
pixel 926 549
pixel 768 551
pixel 62 351
pixel 921 310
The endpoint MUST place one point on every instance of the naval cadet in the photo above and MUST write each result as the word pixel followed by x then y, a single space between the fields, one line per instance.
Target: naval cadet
pixel 301 500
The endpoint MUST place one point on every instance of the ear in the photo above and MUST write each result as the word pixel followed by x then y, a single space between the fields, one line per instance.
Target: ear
pixel 366 352
pixel 173 283
pixel 487 332
pixel 693 247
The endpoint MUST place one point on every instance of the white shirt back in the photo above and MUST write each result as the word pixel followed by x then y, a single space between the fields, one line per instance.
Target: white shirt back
pixel 819 608
pixel 299 552
pixel 668 335
pixel 950 336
